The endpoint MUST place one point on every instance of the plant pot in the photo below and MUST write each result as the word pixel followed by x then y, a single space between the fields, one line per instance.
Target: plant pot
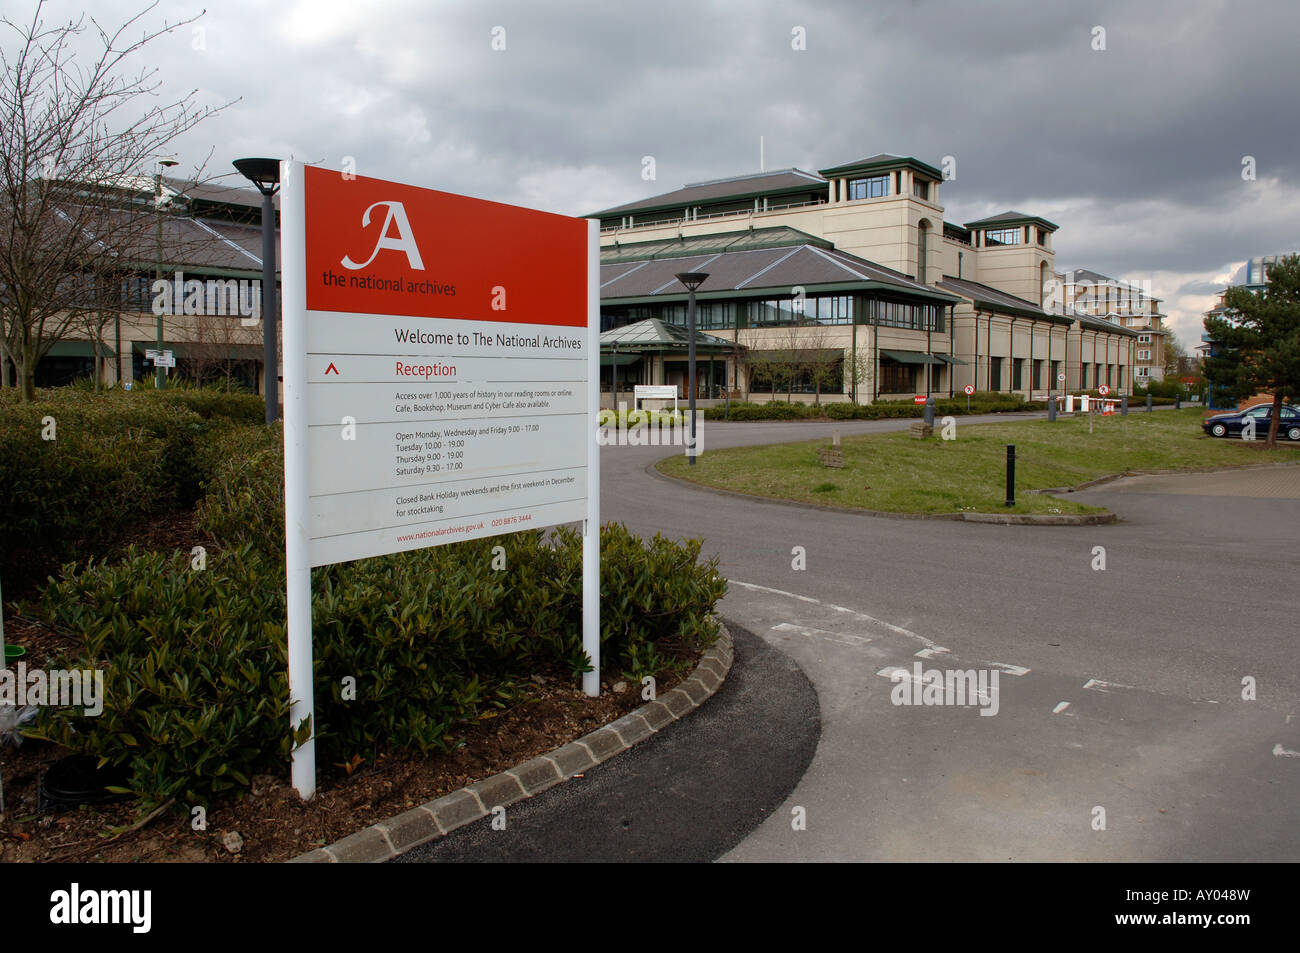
pixel 75 780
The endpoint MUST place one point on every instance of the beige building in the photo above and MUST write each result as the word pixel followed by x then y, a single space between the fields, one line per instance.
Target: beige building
pixel 848 284
pixel 1129 304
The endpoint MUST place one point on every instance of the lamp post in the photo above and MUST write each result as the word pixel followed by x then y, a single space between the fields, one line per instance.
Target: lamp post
pixel 692 280
pixel 265 174
pixel 160 373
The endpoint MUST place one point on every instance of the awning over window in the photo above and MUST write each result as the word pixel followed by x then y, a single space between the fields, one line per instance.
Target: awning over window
pixel 204 351
pixel 949 359
pixel 622 360
pixel 909 357
pixel 78 349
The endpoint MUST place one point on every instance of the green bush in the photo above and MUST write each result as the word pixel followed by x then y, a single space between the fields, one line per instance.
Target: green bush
pixel 244 499
pixel 197 695
pixel 113 464
pixel 981 402
pixel 195 678
pixel 119 459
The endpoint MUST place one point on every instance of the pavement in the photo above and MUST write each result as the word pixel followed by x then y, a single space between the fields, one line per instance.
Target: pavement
pixel 1148 678
pixel 689 793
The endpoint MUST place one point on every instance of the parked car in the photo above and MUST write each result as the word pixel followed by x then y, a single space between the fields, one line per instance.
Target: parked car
pixel 1226 425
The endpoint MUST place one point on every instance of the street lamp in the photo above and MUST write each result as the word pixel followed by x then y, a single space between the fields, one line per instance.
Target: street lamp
pixel 160 373
pixel 692 280
pixel 265 174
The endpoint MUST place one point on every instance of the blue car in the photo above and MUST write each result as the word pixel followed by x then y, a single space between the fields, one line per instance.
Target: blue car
pixel 1227 425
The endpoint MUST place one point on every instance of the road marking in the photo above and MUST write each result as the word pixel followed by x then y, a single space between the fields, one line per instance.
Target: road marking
pixel 846 638
pixel 1060 708
pixel 1097 685
pixel 829 605
pixel 1015 670
pixel 931 653
pixel 1280 752
pixel 896 673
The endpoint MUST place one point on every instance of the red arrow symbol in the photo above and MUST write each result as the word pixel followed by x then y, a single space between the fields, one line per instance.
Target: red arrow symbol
pixel 331 368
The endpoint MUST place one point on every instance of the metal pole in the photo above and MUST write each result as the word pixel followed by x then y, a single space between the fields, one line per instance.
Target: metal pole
pixel 690 356
pixel 591 528
pixel 270 358
pixel 1011 474
pixel 3 665
pixel 160 374
pixel 297 502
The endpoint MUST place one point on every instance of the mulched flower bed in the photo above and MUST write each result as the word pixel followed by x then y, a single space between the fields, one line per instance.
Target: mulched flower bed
pixel 271 822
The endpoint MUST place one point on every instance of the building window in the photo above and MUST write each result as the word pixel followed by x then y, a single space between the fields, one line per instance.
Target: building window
pixel 1083 375
pixel 896 378
pixel 1144 355
pixel 1002 236
pixel 1142 338
pixel 894 314
pixel 921 189
pixel 1036 382
pixel 1042 236
pixel 995 373
pixel 872 188
pixel 1018 373
pixel 806 373
pixel 1056 372
pixel 922 250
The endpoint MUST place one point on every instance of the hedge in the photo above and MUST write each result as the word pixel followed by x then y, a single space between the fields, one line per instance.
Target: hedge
pixel 981 402
pixel 194 658
pixel 195 668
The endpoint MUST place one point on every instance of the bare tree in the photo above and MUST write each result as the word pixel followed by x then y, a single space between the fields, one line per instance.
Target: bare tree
pixel 79 139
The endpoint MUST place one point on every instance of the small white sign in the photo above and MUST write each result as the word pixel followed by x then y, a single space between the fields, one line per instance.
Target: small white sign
pixel 655 391
pixel 165 359
pixel 1060 378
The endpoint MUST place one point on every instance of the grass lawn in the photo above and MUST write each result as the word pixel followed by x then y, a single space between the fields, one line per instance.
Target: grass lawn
pixel 895 473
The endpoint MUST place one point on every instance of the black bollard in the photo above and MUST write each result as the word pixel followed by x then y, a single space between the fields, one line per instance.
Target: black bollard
pixel 1123 406
pixel 1051 407
pixel 929 411
pixel 1011 474
pixel 1148 403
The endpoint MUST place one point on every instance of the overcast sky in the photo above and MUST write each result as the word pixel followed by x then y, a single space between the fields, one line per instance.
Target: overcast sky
pixel 1135 151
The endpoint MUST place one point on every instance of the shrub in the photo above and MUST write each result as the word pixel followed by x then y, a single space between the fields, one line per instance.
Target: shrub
pixel 195 683
pixel 113 464
pixel 244 499
pixel 197 692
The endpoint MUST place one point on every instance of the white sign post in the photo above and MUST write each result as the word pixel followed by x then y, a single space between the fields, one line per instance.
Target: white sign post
pixel 438 388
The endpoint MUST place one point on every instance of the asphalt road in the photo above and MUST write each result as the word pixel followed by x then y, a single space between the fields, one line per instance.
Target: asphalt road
pixel 690 793
pixel 1120 731
pixel 1198 593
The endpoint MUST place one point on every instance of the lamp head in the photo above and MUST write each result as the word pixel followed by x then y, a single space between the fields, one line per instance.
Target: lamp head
pixel 692 279
pixel 263 173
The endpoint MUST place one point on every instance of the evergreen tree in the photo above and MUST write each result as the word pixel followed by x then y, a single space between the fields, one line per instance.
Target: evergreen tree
pixel 1260 339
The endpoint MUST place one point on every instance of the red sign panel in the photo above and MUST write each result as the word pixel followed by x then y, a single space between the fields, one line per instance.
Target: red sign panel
pixel 919 399
pixel 376 247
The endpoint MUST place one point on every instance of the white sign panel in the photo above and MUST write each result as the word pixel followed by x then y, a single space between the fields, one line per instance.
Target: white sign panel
pixel 441 365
